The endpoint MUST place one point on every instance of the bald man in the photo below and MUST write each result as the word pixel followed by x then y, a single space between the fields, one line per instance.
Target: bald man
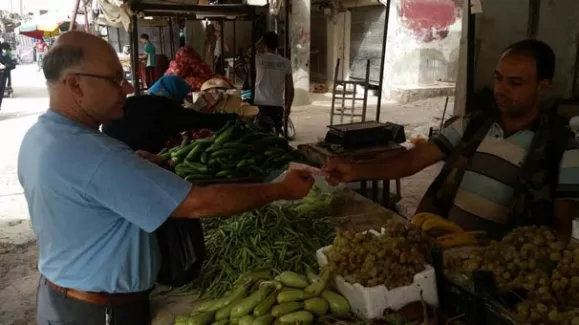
pixel 94 204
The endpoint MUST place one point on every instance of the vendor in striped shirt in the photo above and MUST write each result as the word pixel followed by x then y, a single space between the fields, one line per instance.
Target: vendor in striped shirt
pixel 490 175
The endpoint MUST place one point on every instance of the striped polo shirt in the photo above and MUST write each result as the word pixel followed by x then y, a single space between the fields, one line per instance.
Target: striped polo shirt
pixel 484 198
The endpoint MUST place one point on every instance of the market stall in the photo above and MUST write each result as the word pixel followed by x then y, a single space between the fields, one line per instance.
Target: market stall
pixel 347 211
pixel 337 257
pixel 195 11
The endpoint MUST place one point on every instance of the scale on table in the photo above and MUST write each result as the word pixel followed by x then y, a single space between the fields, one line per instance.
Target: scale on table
pixel 362 135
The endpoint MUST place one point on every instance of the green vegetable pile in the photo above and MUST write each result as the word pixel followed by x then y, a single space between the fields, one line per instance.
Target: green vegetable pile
pixel 258 299
pixel 279 236
pixel 238 150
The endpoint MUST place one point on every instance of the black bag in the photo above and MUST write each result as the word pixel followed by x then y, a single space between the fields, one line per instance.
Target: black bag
pixel 182 247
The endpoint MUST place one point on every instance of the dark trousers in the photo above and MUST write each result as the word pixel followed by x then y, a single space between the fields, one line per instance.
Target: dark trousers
pixel 271 117
pixel 9 79
pixel 149 76
pixel 55 308
pixel 219 68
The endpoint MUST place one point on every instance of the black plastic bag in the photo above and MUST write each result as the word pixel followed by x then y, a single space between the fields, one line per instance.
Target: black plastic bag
pixel 182 247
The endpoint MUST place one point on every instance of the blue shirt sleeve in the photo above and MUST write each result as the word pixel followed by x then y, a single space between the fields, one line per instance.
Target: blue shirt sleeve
pixel 136 189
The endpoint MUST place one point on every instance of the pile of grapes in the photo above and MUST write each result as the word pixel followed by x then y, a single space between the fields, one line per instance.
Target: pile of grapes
pixel 535 260
pixel 391 259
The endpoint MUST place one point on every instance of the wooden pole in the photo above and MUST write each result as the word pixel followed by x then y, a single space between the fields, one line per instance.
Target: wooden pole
pixel 533 19
pixel 86 25
pixel 172 37
pixel 135 53
pixel 74 13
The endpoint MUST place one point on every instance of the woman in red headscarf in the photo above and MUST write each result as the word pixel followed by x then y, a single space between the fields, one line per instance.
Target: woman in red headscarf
pixel 190 66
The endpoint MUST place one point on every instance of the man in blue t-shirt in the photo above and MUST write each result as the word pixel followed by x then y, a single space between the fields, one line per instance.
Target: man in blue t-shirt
pixel 94 203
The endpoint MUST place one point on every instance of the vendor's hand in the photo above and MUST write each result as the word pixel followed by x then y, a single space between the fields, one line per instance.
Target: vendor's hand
pixel 155 159
pixel 296 184
pixel 339 171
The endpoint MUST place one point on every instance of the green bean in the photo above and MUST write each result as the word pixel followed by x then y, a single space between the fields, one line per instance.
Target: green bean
pixel 278 237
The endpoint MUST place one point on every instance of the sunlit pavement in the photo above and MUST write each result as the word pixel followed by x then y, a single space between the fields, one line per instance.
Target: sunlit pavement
pixel 17 114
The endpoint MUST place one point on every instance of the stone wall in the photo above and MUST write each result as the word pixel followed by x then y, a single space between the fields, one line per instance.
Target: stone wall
pixel 504 22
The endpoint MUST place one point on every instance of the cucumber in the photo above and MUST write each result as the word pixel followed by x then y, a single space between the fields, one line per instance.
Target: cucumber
pixel 196 166
pixel 225 136
pixel 197 177
pixel 242 163
pixel 222 174
pixel 204 158
pixel 256 170
pixel 224 152
pixel 196 152
pixel 181 153
pixel 226 127
pixel 186 139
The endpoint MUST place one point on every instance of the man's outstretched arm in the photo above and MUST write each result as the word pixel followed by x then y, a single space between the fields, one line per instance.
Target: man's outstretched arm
pixel 227 200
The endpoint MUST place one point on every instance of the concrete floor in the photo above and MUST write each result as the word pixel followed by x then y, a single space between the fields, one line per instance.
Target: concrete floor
pixel 18 254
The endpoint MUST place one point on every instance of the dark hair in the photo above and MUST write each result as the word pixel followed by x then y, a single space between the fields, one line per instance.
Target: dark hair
pixel 5 46
pixel 270 40
pixel 145 36
pixel 541 52
pixel 59 59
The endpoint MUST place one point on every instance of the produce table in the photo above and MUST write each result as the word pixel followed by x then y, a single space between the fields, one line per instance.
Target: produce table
pixel 319 154
pixel 356 213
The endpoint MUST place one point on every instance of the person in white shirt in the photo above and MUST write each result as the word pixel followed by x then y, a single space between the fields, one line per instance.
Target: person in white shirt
pixel 274 86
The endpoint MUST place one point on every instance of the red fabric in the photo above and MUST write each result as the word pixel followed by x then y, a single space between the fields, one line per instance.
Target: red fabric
pixel 190 66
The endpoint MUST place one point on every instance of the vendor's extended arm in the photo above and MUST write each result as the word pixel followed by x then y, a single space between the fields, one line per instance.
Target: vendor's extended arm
pixel 227 200
pixel 397 166
pixel 403 164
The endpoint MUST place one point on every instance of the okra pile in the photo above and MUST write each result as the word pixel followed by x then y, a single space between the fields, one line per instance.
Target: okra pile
pixel 259 299
pixel 279 236
pixel 238 150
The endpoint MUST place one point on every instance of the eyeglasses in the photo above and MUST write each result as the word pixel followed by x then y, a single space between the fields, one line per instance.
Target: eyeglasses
pixel 117 81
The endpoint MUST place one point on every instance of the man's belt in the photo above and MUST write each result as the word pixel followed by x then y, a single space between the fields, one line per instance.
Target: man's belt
pixel 96 298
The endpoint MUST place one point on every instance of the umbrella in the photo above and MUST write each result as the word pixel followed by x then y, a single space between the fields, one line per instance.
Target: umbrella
pixel 44 26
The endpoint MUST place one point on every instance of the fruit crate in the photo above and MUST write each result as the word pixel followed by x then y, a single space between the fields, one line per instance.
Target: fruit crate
pixel 478 303
pixel 477 306
pixel 371 302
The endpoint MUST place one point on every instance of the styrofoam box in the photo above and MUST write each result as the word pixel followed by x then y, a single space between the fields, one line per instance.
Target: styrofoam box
pixel 371 302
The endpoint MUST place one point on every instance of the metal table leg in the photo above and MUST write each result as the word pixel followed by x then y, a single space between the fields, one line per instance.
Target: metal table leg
pixel 363 188
pixel 386 193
